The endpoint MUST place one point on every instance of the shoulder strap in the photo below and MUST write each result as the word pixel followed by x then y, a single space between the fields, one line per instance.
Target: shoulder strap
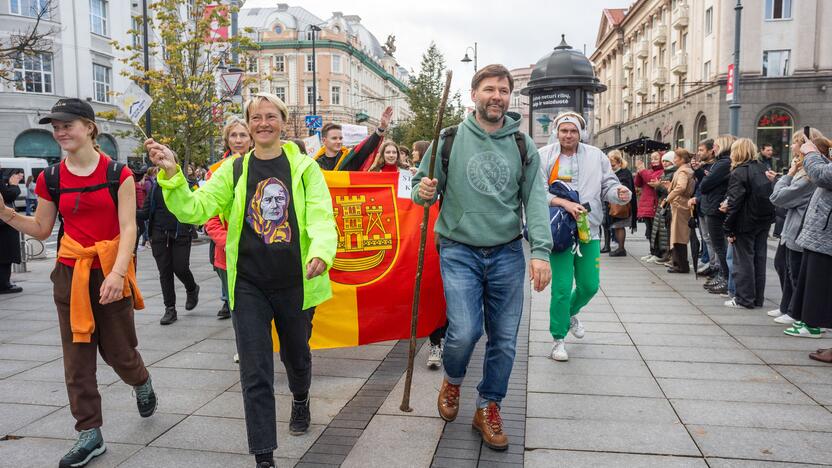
pixel 448 134
pixel 114 169
pixel 238 169
pixel 52 177
pixel 520 139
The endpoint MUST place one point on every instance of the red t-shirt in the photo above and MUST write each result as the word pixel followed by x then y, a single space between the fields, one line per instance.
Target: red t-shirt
pixel 95 218
pixel 389 168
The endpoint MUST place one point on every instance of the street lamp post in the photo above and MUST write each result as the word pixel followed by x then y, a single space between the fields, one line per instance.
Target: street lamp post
pixel 315 29
pixel 147 124
pixel 466 59
pixel 735 103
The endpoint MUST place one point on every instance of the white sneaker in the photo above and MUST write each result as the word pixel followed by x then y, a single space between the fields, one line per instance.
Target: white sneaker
pixel 774 313
pixel 703 268
pixel 577 328
pixel 784 319
pixel 647 258
pixel 559 351
pixel 733 304
pixel 236 358
pixel 435 357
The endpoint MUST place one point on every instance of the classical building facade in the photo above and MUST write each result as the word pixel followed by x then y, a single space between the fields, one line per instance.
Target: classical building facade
pixel 665 63
pixel 357 77
pixel 81 64
pixel 520 103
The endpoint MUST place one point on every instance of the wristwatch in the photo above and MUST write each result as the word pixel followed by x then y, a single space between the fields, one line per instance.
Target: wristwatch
pixel 381 130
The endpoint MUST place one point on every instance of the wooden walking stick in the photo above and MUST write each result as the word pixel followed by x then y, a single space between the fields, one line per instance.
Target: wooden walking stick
pixel 414 310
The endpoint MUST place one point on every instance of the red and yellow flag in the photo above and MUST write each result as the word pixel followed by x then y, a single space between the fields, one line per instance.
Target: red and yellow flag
pixel 374 272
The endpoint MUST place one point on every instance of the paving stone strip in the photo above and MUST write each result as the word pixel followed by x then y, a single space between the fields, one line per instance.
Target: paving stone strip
pixel 342 433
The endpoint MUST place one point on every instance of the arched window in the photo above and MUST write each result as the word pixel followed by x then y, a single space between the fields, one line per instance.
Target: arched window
pixel 108 145
pixel 679 136
pixel 701 129
pixel 658 135
pixel 37 143
pixel 775 127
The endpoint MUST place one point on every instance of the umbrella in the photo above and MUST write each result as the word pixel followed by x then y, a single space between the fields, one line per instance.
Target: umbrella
pixel 695 245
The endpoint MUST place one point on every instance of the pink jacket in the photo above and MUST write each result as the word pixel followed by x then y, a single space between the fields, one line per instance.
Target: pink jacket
pixel 217 231
pixel 648 199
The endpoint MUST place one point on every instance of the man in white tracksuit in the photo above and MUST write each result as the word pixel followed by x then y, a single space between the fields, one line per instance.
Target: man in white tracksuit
pixel 587 170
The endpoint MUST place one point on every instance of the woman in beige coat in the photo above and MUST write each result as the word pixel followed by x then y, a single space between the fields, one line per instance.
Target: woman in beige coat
pixel 681 189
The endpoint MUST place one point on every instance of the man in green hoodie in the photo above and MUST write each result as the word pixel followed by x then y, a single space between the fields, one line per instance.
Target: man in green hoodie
pixel 484 193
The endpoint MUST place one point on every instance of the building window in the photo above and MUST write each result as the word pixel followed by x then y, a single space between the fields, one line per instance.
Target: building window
pixel 776 63
pixel 679 136
pixel 336 63
pixel 309 63
pixel 33 73
pixel 280 92
pixel 701 129
pixel 137 33
pixel 335 96
pixel 709 21
pixel 310 34
pixel 252 65
pixel 310 98
pixel 775 127
pixel 706 71
pixel 98 17
pixel 279 64
pixel 101 81
pixel 778 9
pixel 28 7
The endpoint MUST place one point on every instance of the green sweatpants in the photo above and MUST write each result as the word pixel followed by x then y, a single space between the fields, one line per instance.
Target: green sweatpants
pixel 584 270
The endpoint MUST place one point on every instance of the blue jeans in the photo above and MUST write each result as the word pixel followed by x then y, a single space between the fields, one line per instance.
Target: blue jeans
pixel 223 283
pixel 483 289
pixel 729 259
pixel 31 204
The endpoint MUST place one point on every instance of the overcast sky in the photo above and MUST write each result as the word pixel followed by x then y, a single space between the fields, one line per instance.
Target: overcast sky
pixel 516 33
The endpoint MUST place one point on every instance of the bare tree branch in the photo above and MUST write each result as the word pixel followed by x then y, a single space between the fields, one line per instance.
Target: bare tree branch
pixel 30 41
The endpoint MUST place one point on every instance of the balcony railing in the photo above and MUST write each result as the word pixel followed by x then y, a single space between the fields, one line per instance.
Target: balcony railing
pixel 660 35
pixel 679 63
pixel 627 95
pixel 627 61
pixel 642 49
pixel 641 87
pixel 660 76
pixel 681 16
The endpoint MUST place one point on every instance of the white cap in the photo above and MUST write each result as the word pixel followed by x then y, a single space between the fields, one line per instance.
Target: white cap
pixel 669 156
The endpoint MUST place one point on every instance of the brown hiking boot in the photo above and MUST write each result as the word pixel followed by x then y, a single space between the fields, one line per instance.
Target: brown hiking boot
pixel 488 421
pixel 448 403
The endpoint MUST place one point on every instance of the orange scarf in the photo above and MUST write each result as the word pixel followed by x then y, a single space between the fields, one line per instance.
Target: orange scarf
pixel 81 318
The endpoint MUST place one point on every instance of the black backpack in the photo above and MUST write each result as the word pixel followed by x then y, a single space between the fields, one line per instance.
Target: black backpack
pixel 448 135
pixel 52 177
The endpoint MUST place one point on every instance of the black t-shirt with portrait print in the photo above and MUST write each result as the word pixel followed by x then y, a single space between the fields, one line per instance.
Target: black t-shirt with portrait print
pixel 269 249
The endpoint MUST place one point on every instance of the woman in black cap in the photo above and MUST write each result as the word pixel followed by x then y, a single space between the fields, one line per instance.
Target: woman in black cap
pixel 94 279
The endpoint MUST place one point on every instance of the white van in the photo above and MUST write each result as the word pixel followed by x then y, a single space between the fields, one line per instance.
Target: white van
pixel 30 166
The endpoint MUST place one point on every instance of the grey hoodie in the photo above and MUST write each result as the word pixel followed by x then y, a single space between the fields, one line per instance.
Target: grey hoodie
pixel 793 194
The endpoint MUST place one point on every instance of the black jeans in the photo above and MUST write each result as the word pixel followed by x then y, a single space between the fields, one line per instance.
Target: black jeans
pixel 5 275
pixel 791 262
pixel 750 252
pixel 437 335
pixel 254 310
pixel 648 227
pixel 173 257
pixel 718 242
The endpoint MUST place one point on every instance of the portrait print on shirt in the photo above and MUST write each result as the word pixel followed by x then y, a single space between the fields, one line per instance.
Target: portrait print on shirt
pixel 268 212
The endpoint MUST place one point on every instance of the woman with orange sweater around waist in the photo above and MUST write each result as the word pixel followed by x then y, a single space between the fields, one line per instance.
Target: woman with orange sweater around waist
pixel 94 278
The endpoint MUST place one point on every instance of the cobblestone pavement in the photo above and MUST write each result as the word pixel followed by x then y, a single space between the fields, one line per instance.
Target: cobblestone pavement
pixel 665 377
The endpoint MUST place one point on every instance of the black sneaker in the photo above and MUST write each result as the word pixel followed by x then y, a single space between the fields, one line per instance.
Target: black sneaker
pixel 299 422
pixel 169 317
pixel 89 445
pixel 618 253
pixel 192 298
pixel 146 398
pixel 266 464
pixel 224 312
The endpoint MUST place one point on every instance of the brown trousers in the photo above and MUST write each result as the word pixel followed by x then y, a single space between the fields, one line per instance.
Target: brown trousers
pixel 114 337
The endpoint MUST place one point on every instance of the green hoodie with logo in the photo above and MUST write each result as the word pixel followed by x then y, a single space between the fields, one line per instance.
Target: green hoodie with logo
pixel 482 190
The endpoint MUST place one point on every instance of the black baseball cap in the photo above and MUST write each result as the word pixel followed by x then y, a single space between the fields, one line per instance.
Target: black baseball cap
pixel 67 110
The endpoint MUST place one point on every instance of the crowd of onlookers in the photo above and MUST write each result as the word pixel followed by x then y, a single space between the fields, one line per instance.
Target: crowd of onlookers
pixel 721 204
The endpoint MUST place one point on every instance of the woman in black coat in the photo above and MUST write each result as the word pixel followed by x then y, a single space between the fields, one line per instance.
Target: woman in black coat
pixel 9 237
pixel 619 224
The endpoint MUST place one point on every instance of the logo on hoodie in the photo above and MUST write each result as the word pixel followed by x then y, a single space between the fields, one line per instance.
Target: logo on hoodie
pixel 488 173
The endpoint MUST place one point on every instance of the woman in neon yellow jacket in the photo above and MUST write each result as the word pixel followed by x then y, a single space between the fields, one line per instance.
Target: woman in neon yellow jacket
pixel 281 242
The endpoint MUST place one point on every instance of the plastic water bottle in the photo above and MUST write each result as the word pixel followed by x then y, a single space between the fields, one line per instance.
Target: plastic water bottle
pixel 583 228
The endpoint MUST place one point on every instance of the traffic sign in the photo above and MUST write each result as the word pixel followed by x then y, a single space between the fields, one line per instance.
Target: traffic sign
pixel 314 121
pixel 232 81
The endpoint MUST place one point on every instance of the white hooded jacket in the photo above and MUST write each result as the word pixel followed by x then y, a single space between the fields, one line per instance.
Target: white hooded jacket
pixel 597 182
